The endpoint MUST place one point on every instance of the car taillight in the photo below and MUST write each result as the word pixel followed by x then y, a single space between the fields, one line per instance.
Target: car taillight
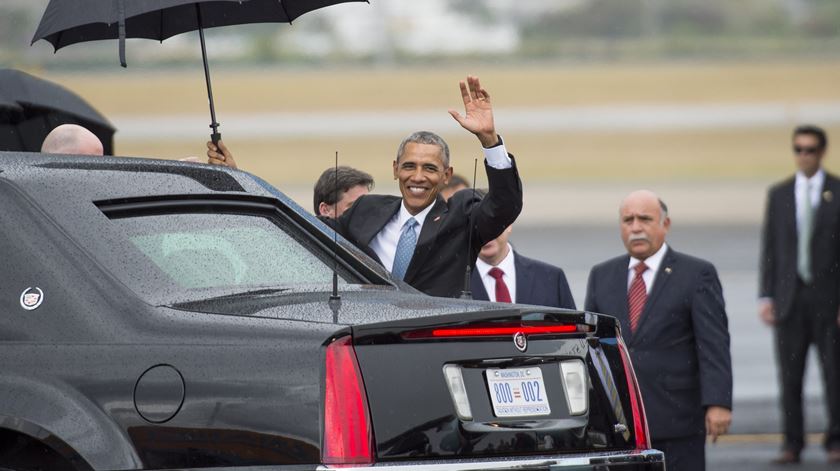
pixel 640 427
pixel 348 438
pixel 491 330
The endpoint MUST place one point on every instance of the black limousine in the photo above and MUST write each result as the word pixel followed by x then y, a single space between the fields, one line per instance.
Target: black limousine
pixel 168 315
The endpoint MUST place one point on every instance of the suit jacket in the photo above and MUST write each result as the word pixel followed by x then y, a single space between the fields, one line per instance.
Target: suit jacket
pixel 444 248
pixel 680 350
pixel 537 283
pixel 779 240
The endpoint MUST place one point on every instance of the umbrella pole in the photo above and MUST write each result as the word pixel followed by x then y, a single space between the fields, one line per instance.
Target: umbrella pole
pixel 215 136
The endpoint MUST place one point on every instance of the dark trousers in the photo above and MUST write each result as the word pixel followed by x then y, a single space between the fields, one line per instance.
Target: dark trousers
pixel 808 323
pixel 684 453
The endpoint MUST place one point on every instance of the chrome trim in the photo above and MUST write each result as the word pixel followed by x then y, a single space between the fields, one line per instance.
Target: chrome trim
pixel 537 463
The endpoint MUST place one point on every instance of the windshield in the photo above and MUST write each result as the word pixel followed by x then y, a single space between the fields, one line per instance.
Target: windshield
pixel 216 254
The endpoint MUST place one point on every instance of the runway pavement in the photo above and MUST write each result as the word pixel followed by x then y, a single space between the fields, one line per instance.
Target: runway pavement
pixel 754 453
pixel 632 118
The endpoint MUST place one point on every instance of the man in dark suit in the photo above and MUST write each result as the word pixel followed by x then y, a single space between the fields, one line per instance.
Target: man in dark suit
pixel 419 237
pixel 338 188
pixel 503 275
pixel 671 310
pixel 800 285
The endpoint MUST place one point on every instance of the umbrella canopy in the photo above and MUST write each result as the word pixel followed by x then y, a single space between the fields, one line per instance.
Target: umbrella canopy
pixel 67 22
pixel 31 107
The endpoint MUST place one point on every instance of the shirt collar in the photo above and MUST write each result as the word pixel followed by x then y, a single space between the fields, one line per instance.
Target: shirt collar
pixel 507 264
pixel 816 180
pixel 653 261
pixel 404 215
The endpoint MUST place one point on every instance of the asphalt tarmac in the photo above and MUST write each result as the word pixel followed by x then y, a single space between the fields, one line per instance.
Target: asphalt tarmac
pixel 733 248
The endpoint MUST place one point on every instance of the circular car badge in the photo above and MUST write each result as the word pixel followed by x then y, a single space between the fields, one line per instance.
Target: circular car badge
pixel 520 342
pixel 31 298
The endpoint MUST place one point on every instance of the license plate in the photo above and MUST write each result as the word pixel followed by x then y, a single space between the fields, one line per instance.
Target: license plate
pixel 517 392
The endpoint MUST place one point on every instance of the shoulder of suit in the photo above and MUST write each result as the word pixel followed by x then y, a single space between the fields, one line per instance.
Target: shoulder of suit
pixel 372 199
pixel 377 197
pixel 465 196
pixel 832 179
pixel 784 185
pixel 532 263
pixel 686 260
pixel 620 260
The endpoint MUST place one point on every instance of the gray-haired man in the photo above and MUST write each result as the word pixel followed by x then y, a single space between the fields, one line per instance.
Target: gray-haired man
pixel 419 237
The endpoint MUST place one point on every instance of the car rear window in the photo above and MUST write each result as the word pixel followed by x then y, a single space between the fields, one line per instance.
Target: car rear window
pixel 211 250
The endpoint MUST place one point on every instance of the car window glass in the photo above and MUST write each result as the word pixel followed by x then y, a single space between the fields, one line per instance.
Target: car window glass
pixel 218 250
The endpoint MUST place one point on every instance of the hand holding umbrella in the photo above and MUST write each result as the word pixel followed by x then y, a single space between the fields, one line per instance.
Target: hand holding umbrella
pixel 218 154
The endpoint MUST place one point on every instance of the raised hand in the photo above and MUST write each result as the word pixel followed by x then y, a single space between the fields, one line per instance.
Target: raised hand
pixel 478 112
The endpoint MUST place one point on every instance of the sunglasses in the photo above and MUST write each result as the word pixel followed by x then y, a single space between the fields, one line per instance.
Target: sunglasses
pixel 805 150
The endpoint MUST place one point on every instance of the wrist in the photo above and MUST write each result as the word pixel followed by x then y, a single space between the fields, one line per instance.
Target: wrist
pixel 489 140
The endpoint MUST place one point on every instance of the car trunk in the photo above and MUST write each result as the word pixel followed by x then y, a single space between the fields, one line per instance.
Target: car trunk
pixel 468 385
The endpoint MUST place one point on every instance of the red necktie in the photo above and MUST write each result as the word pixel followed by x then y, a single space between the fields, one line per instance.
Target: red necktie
pixel 502 293
pixel 637 296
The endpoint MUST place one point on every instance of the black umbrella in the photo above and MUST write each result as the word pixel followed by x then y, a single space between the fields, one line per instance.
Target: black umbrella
pixel 67 22
pixel 31 107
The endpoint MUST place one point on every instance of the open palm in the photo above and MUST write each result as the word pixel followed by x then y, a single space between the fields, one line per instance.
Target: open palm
pixel 478 112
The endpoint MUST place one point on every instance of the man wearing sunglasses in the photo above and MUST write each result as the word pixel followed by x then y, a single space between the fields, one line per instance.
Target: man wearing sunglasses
pixel 800 286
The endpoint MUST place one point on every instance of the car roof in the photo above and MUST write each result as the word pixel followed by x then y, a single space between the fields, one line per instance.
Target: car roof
pixel 94 178
pixel 68 194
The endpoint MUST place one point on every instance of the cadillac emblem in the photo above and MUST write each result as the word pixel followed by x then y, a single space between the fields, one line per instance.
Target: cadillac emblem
pixel 520 342
pixel 31 298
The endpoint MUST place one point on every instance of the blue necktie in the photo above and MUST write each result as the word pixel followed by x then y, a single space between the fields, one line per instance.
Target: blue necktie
pixel 405 249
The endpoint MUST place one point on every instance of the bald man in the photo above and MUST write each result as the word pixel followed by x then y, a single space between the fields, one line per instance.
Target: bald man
pixel 72 139
pixel 670 306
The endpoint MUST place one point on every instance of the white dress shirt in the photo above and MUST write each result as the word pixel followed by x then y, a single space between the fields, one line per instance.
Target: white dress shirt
pixel 497 157
pixel 816 182
pixel 508 266
pixel 384 244
pixel 652 263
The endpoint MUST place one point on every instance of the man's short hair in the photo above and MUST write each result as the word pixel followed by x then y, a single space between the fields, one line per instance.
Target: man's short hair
pixel 816 131
pixel 337 180
pixel 425 137
pixel 457 181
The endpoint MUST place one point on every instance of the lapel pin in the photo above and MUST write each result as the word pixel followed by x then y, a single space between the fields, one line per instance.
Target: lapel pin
pixel 828 196
pixel 436 219
pixel 668 270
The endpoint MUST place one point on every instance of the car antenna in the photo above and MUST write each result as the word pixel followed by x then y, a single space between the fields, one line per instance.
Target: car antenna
pixel 335 298
pixel 466 293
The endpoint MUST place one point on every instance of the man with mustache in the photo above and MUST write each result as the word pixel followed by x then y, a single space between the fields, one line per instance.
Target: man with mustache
pixel 671 309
